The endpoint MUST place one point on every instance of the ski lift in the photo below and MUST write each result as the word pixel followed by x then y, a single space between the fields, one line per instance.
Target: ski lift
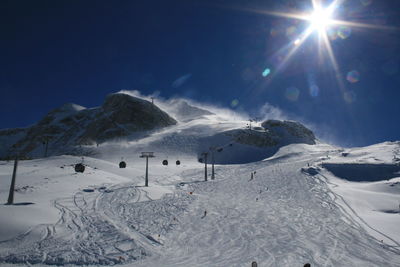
pixel 122 165
pixel 165 162
pixel 201 160
pixel 220 149
pixel 79 167
pixel 178 162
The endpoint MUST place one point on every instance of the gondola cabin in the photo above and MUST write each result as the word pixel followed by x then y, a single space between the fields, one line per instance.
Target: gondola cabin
pixel 79 167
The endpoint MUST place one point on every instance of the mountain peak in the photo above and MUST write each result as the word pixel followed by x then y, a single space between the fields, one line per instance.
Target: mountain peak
pixel 119 100
pixel 71 125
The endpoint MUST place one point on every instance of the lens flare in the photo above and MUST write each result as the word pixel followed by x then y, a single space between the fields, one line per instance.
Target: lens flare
pixel 292 94
pixel 332 34
pixel 234 103
pixel 266 72
pixel 353 76
pixel 344 32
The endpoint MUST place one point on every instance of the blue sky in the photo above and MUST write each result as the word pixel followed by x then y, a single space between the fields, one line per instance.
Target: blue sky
pixel 53 52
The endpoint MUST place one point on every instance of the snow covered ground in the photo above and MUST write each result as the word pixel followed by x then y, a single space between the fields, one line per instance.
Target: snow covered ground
pixel 306 203
pixel 294 211
pixel 367 181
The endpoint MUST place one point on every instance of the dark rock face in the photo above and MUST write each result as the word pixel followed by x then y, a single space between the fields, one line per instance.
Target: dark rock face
pixel 122 115
pixel 273 133
pixel 71 125
pixel 289 132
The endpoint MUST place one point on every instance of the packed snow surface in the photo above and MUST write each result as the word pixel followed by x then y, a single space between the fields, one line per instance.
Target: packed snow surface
pixel 287 215
pixel 368 182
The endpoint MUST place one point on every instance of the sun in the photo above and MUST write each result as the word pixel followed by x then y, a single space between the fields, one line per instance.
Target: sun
pixel 320 19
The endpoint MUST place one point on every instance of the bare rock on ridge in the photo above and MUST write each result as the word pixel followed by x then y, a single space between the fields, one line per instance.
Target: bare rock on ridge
pixel 71 125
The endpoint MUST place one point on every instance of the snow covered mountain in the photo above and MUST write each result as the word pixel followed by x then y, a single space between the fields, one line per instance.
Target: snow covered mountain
pixel 73 129
pixel 288 198
pixel 71 125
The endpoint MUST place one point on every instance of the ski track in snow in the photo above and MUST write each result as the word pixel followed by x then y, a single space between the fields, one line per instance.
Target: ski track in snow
pixel 295 220
pixel 282 217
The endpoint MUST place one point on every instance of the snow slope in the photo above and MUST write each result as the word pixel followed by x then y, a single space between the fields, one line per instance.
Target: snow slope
pixel 368 182
pixel 283 217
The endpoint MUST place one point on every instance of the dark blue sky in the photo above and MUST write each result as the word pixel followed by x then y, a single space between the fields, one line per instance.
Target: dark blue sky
pixel 53 52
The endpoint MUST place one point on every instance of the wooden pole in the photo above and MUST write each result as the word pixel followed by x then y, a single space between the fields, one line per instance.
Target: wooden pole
pixel 12 186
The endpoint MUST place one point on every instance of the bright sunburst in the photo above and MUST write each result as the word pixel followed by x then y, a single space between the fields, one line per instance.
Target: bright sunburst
pixel 321 18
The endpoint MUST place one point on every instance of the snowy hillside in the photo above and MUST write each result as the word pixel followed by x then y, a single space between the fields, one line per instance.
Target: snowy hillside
pixel 368 181
pixel 280 197
pixel 124 120
pixel 183 111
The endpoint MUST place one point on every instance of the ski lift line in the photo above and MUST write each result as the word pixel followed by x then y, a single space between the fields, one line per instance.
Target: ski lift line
pixel 212 149
pixel 219 147
pixel 165 162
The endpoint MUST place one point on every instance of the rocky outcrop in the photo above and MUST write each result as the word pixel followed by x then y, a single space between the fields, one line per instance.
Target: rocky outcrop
pixel 289 132
pixel 122 115
pixel 249 145
pixel 273 133
pixel 71 125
